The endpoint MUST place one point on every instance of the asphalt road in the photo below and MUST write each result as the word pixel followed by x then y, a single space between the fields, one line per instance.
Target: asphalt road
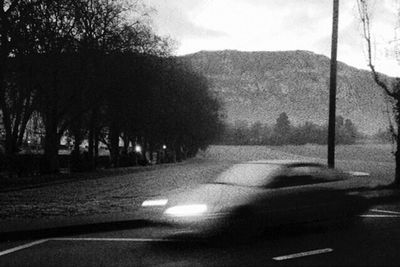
pixel 373 240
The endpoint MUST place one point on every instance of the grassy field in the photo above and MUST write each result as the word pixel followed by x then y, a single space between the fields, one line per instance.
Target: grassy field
pixel 375 159
pixel 367 152
pixel 124 192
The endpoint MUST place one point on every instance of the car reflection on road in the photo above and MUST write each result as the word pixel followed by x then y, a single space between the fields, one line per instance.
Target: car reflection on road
pixel 250 197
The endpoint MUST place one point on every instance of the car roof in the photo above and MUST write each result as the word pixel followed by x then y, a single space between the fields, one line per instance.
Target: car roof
pixel 287 162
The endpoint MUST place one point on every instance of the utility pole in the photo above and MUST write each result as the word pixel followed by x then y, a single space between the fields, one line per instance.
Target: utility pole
pixel 332 86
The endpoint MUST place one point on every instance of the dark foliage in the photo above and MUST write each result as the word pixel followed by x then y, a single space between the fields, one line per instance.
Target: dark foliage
pixel 283 133
pixel 91 72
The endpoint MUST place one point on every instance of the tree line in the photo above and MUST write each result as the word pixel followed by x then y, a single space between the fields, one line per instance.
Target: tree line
pixel 284 133
pixel 95 70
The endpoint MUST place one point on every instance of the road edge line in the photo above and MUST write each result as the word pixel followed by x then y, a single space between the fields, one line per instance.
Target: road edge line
pixel 27 245
pixel 303 254
pixel 385 211
pixel 112 239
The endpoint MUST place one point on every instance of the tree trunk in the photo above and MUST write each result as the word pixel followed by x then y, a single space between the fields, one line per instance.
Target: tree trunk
pixel 397 136
pixel 92 140
pixel 91 147
pixel 114 145
pixel 126 143
pixel 52 140
pixel 77 162
pixel 10 145
pixel 96 145
pixel 397 156
pixel 178 152
pixel 77 142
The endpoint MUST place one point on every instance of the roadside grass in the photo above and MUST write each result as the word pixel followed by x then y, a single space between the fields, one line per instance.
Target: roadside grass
pixel 364 152
pixel 17 183
pixel 246 153
pixel 123 191
pixel 360 152
pixel 375 159
pixel 106 195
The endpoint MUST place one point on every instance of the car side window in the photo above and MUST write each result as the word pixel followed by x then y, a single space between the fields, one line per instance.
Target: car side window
pixel 299 175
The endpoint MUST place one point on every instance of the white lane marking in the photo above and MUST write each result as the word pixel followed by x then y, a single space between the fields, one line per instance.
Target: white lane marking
pixel 385 211
pixel 379 215
pixel 359 174
pixel 11 250
pixel 303 254
pixel 113 239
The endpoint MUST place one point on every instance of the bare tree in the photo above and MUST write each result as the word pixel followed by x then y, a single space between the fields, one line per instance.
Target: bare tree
pixel 391 88
pixel 17 85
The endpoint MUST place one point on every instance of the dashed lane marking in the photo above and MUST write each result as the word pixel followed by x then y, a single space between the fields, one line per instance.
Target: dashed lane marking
pixel 8 251
pixel 384 214
pixel 115 239
pixel 385 211
pixel 303 254
pixel 359 174
pixel 379 216
pixel 11 250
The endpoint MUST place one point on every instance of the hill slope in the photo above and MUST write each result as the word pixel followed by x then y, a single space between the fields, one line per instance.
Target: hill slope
pixel 258 86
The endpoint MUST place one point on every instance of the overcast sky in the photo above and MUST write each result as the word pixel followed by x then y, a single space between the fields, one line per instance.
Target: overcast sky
pixel 271 25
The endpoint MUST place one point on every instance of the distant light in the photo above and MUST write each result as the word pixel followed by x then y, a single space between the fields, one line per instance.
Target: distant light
pixel 155 202
pixel 164 147
pixel 187 210
pixel 138 149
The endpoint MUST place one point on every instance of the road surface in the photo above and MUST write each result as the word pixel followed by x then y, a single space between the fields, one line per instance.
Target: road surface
pixel 373 240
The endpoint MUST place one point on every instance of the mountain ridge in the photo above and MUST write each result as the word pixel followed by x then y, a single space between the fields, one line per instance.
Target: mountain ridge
pixel 259 85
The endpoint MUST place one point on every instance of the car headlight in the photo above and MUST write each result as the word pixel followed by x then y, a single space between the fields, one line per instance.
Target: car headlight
pixel 187 210
pixel 155 202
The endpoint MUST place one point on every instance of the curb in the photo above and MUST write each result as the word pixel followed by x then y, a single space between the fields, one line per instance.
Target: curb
pixel 90 176
pixel 46 228
pixel 72 230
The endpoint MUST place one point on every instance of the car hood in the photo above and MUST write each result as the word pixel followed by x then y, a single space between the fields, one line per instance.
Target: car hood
pixel 217 196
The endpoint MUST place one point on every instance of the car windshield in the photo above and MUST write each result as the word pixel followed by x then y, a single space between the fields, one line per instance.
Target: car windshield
pixel 248 174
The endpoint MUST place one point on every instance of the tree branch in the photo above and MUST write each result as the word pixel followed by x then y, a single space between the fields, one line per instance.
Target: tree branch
pixel 363 11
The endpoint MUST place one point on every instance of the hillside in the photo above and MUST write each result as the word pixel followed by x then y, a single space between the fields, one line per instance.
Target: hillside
pixel 258 86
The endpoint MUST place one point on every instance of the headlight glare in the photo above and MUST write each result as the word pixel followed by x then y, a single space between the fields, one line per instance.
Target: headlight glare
pixel 155 202
pixel 186 210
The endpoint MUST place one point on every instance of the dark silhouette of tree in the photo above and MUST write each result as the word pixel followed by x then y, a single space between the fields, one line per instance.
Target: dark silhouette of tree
pixel 346 131
pixel 384 136
pixel 339 121
pixel 256 133
pixel 88 69
pixel 282 129
pixel 241 133
pixel 18 101
pixel 17 85
pixel 350 131
pixel 156 101
pixel 391 88
pixel 59 92
pixel 308 133
pixel 98 25
pixel 193 113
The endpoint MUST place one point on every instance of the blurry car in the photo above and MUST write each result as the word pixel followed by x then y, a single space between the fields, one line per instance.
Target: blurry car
pixel 249 197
